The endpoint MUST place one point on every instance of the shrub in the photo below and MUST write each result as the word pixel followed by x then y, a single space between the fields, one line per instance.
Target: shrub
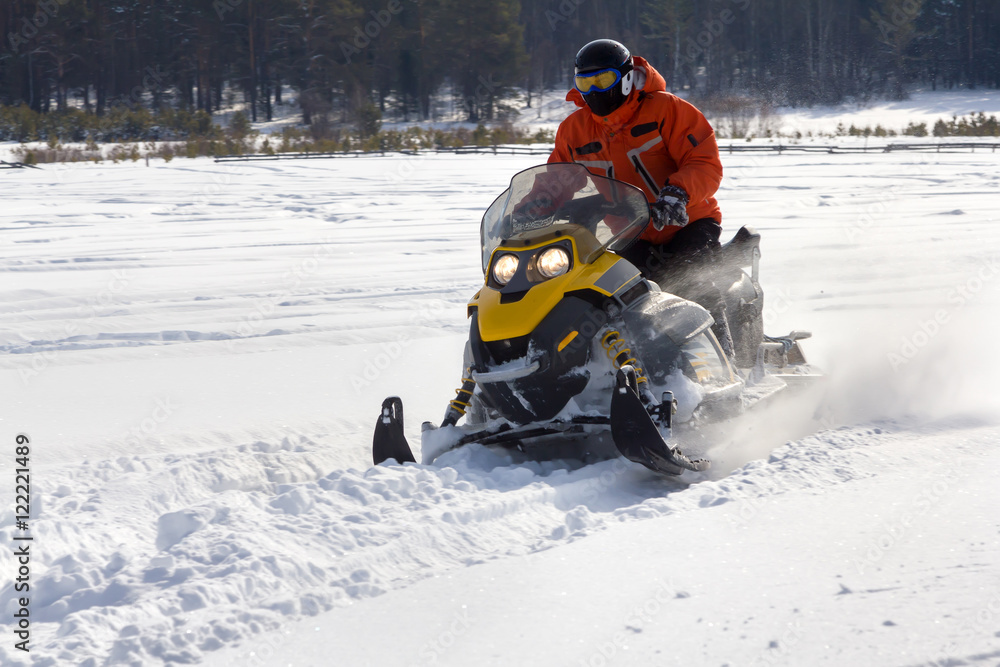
pixel 973 125
pixel 460 137
pixel 368 120
pixel 18 123
pixel 480 136
pixel 544 136
pixel 239 126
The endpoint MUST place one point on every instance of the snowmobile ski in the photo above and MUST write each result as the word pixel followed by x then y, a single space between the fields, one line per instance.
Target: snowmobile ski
pixel 389 441
pixel 636 435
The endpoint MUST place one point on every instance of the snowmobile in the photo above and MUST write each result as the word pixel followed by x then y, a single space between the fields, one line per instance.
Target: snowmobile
pixel 572 353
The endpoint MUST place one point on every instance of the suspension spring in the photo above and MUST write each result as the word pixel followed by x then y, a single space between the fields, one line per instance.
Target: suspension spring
pixel 463 398
pixel 463 395
pixel 615 346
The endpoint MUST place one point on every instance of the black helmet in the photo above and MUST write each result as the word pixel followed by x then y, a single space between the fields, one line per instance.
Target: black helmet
pixel 604 75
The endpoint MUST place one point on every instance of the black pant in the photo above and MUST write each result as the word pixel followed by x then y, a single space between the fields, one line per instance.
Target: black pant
pixel 687 266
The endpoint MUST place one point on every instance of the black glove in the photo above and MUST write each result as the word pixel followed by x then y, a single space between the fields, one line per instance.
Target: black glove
pixel 670 208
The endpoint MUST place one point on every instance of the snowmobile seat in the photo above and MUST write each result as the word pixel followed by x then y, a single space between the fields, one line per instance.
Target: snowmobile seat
pixel 742 250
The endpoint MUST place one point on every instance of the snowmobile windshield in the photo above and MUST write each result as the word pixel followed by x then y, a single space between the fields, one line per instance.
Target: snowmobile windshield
pixel 565 196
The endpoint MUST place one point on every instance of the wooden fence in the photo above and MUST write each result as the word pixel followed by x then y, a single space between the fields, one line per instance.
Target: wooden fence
pixel 940 147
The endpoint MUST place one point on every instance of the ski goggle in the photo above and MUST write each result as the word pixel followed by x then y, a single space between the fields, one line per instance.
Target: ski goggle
pixel 597 82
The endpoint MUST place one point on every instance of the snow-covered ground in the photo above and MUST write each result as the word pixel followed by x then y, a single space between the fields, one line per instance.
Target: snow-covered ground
pixel 198 352
pixel 923 106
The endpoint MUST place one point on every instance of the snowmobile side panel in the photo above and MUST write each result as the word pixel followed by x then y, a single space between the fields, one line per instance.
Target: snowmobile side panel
pixel 665 314
pixel 744 309
pixel 659 326
pixel 618 276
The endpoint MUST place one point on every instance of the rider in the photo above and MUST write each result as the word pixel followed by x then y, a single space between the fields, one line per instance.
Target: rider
pixel 631 129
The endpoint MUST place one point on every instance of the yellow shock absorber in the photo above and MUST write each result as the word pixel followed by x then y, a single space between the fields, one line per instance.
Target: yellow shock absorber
pixel 619 355
pixel 463 397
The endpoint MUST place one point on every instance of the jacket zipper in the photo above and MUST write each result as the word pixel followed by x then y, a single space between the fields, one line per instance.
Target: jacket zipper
pixel 645 175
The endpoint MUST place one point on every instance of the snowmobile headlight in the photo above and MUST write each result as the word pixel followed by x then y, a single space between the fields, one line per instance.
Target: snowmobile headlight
pixel 553 262
pixel 504 268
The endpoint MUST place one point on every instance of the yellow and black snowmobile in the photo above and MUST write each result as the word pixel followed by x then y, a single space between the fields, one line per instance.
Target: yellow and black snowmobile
pixel 573 354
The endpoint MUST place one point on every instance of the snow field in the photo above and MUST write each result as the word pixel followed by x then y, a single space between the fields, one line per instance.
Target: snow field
pixel 713 572
pixel 923 106
pixel 199 352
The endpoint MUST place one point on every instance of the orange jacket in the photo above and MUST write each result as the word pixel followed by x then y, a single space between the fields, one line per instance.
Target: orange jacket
pixel 653 138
